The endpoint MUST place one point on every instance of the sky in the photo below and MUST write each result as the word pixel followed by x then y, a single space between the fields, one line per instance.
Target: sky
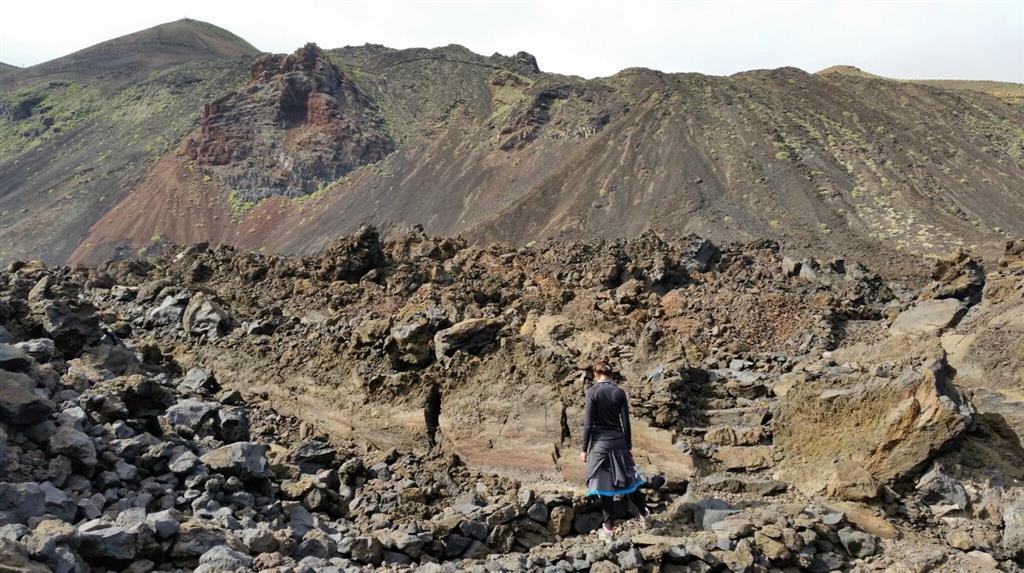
pixel 982 39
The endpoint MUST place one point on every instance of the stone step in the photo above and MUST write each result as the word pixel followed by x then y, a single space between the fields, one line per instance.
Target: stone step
pixel 746 416
pixel 735 435
pixel 745 458
pixel 720 403
pixel 738 483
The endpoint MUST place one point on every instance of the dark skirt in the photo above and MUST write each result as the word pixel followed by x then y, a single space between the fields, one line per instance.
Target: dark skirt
pixel 610 468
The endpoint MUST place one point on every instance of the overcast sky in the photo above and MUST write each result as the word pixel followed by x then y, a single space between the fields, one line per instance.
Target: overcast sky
pixel 965 40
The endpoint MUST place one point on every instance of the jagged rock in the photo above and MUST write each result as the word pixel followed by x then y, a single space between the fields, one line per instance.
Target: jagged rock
pixel 350 259
pixel 561 519
pixel 857 543
pixel 21 501
pixel 771 547
pixel 204 316
pixel 224 558
pixel 501 515
pixel 316 544
pixel 71 329
pixel 58 503
pixel 630 558
pixel 19 404
pixel 128 396
pixel 14 559
pixel 41 349
pixel 200 380
pixel 890 426
pixel 1013 529
pixel 941 492
pixel 367 550
pixel 296 488
pixel 194 539
pixel 605 567
pixel 314 454
pixel 928 318
pixel 711 511
pixel 74 444
pixel 474 529
pixel 529 534
pixel 169 311
pixel 165 524
pixel 850 481
pixel 100 541
pixel 243 459
pixel 826 561
pixel 538 512
pixel 14 531
pixel 183 462
pixel 409 544
pixel 49 543
pixel 549 331
pixel 734 526
pixel 470 336
pixel 190 415
pixel 501 538
pixel 456 545
pixel 410 345
pixel 13 358
pixel 958 276
pixel 700 254
pixel 232 424
pixel 260 539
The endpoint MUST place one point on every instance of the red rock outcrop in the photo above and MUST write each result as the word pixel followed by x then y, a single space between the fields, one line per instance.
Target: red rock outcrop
pixel 299 122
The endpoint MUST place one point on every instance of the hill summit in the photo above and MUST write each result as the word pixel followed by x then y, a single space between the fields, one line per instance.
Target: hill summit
pixel 130 57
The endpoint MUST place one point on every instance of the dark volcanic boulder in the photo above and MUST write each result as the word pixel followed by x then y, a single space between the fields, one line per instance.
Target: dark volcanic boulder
pixel 352 257
pixel 20 501
pixel 242 459
pixel 203 315
pixel 14 359
pixel 101 541
pixel 73 444
pixel 469 336
pixel 410 345
pixel 19 404
pixel 71 328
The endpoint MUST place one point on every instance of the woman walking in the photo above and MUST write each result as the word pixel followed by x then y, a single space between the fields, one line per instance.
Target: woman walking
pixel 607 448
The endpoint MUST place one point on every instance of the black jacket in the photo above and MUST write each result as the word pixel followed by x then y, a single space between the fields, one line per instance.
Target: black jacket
pixel 606 413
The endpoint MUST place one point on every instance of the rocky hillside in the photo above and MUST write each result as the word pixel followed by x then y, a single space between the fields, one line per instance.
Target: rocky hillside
pixel 200 139
pixel 74 140
pixel 1006 91
pixel 415 404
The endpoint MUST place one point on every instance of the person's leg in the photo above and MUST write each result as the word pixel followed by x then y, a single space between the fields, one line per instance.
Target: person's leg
pixel 607 511
pixel 640 501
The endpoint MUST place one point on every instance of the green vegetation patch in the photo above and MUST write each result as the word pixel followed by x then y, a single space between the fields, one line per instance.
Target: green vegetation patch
pixel 238 206
pixel 32 115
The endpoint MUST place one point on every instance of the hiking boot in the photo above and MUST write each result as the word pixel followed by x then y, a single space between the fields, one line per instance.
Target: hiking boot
pixel 647 518
pixel 605 533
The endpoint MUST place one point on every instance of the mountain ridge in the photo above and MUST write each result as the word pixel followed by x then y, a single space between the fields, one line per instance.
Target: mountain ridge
pixel 131 56
pixel 493 148
pixel 1010 92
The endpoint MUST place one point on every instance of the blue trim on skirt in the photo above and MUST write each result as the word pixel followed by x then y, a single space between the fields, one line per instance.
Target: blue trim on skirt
pixel 636 485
